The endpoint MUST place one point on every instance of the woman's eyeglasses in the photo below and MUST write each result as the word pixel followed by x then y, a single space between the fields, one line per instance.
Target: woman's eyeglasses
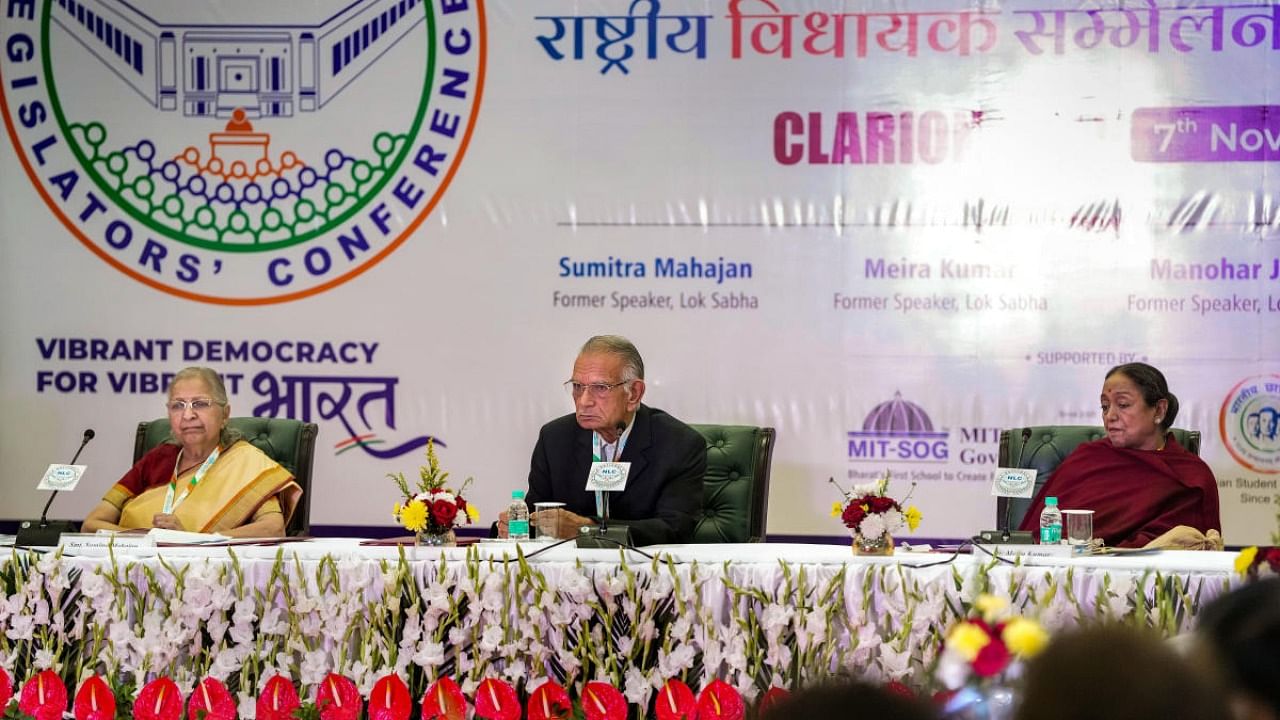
pixel 199 405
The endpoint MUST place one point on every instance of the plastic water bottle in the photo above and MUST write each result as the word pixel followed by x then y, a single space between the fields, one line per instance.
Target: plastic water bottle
pixel 1051 522
pixel 518 517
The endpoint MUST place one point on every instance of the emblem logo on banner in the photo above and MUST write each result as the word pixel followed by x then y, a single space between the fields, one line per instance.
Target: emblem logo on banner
pixel 1250 423
pixel 242 153
pixel 898 430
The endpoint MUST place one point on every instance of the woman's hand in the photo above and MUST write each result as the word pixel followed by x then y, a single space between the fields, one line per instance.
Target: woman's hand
pixel 167 522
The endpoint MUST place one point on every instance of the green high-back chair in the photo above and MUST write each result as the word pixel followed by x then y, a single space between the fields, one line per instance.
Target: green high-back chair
pixel 292 443
pixel 1046 447
pixel 735 490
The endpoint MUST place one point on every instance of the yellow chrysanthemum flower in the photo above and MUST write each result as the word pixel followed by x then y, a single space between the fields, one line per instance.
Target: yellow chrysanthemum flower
pixel 1024 638
pixel 395 511
pixel 836 509
pixel 1245 559
pixel 913 516
pixel 472 512
pixel 968 640
pixel 990 606
pixel 413 516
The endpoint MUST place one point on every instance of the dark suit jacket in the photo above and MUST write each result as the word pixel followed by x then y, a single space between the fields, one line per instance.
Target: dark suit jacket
pixel 664 485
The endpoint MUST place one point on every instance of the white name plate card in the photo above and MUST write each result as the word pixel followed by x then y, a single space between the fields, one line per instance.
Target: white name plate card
pixel 608 476
pixel 103 541
pixel 1032 551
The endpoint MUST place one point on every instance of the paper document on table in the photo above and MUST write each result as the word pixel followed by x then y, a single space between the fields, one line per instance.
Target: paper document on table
pixel 182 537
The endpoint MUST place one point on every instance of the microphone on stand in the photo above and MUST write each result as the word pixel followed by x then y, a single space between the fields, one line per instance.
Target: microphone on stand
pixel 45 532
pixel 1008 502
pixel 620 428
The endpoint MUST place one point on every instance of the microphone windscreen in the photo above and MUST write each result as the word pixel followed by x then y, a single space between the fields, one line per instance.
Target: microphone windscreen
pixel 88 434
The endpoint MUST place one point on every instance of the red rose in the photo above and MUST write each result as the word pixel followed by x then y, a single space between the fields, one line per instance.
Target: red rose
pixel 1272 558
pixel 898 688
pixel 443 512
pixel 853 514
pixel 992 659
pixel 881 504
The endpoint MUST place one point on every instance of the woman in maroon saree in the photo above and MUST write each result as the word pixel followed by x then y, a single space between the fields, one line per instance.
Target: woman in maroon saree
pixel 1138 481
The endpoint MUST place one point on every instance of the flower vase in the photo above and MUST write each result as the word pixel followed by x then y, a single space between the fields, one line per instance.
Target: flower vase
pixel 880 545
pixel 431 539
pixel 980 703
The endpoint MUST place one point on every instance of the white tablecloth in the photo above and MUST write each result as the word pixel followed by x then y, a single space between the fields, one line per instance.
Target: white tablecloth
pixel 754 615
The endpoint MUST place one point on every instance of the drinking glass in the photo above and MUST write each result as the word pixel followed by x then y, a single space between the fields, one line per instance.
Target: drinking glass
pixel 1079 526
pixel 546 524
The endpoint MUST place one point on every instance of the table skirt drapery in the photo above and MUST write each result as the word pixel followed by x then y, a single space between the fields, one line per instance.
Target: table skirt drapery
pixel 754 616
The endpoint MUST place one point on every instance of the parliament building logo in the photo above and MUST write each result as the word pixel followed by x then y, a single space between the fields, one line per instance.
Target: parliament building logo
pixel 898 430
pixel 1250 423
pixel 240 152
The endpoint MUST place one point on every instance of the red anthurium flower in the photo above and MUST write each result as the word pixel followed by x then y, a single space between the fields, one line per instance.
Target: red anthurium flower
pixel 211 698
pixel 389 699
pixel 278 699
pixel 6 690
pixel 44 697
pixel 675 702
pixel 159 700
pixel 720 701
pixel 550 701
pixel 771 697
pixel 338 698
pixel 992 658
pixel 602 701
pixel 94 701
pixel 496 700
pixel 444 700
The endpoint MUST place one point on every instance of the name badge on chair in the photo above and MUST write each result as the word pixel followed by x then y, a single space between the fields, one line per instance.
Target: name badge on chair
pixel 1014 482
pixel 608 476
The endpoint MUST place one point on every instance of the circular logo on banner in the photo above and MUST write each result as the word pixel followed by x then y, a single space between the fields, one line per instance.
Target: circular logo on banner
pixel 1250 423
pixel 242 153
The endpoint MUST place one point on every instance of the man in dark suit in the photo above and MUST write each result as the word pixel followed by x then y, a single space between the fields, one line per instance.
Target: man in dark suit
pixel 668 458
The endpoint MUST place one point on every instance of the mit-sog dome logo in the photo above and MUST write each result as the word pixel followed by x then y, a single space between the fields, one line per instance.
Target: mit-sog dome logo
pixel 1250 423
pixel 241 151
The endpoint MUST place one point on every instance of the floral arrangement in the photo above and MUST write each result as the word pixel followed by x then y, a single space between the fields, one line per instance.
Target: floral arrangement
pixel 434 509
pixel 988 645
pixel 1255 562
pixel 871 514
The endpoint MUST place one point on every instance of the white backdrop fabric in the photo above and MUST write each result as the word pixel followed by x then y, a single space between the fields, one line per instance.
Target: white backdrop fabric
pixel 886 229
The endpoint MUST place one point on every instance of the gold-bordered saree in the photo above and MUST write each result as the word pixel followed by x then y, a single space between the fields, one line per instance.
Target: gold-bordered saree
pixel 242 485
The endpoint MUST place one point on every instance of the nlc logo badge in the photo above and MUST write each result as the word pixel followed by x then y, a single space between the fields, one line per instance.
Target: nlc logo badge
pixel 1250 423
pixel 241 152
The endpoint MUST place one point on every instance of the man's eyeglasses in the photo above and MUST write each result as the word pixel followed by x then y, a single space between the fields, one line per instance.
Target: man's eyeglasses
pixel 597 390
pixel 199 405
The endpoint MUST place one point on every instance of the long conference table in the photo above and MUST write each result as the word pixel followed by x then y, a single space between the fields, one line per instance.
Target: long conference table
pixel 755 616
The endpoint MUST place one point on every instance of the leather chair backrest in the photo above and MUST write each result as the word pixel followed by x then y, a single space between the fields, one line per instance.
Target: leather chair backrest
pixel 1047 446
pixel 291 443
pixel 735 490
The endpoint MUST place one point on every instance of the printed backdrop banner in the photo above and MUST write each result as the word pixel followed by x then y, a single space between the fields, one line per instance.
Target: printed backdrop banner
pixel 886 233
